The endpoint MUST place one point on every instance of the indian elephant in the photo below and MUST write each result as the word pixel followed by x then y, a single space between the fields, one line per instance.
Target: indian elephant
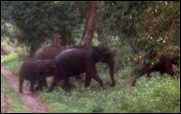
pixel 35 70
pixel 47 52
pixel 75 60
pixel 163 66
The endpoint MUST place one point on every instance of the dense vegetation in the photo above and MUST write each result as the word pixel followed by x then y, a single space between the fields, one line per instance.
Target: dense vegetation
pixel 139 33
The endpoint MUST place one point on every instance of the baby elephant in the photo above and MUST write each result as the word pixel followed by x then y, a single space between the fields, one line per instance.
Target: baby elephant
pixel 35 70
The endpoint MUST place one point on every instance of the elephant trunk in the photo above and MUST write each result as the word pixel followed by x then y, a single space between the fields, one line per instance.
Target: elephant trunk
pixel 111 71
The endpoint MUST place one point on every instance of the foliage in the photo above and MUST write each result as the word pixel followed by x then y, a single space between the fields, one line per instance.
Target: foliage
pixel 39 20
pixel 11 45
pixel 160 94
pixel 148 27
pixel 5 17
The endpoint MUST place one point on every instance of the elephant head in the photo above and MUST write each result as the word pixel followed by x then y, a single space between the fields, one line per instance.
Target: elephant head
pixel 105 55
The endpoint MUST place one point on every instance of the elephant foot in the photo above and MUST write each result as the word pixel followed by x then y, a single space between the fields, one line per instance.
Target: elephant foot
pixel 46 86
pixel 101 88
pixel 20 91
pixel 32 90
pixel 133 83
pixel 66 88
pixel 38 88
pixel 113 84
pixel 50 89
pixel 87 88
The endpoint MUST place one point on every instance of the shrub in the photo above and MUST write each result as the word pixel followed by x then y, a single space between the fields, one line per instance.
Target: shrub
pixel 160 94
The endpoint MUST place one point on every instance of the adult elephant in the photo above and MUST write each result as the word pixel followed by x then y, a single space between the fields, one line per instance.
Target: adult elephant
pixel 76 60
pixel 47 52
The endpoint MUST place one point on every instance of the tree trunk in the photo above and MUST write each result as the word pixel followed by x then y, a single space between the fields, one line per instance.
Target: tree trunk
pixel 90 24
pixel 56 39
pixel 71 39
pixel 64 37
pixel 67 37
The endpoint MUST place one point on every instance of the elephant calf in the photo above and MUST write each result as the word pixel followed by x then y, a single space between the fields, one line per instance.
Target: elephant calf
pixel 35 70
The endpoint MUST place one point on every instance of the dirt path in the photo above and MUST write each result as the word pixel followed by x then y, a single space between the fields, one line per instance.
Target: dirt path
pixel 30 100
pixel 4 103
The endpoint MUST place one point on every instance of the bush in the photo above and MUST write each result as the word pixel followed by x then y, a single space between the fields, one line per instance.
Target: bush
pixel 158 95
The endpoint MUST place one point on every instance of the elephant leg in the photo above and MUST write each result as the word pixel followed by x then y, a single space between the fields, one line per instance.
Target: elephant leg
pixel 66 85
pixel 40 85
pixel 21 80
pixel 44 82
pixel 32 85
pixel 99 80
pixel 87 81
pixel 133 83
pixel 92 72
pixel 54 83
pixel 149 75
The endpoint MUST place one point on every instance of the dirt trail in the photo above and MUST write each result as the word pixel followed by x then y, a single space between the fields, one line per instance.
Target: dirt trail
pixel 30 100
pixel 4 103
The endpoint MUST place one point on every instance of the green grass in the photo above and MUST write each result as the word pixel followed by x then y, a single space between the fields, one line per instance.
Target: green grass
pixel 15 104
pixel 13 62
pixel 160 94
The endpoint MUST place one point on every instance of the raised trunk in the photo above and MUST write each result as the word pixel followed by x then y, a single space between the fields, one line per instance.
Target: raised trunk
pixel 90 24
